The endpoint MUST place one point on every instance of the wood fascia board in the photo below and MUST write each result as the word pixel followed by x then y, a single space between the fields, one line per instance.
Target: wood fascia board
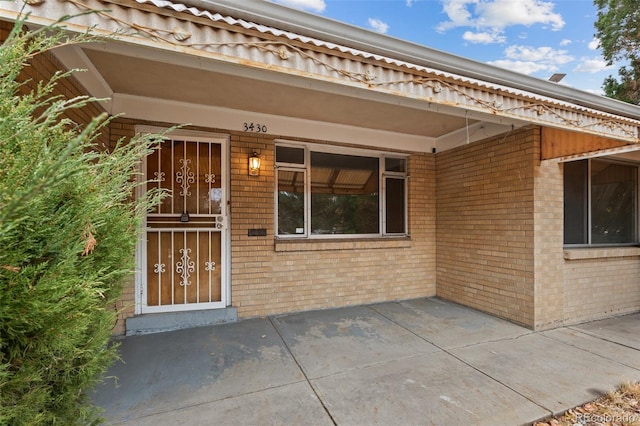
pixel 566 144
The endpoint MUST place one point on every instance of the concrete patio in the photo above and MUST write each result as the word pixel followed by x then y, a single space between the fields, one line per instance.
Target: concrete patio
pixel 423 361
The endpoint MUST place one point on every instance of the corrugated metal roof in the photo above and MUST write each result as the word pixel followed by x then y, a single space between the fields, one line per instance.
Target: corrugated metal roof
pixel 437 90
pixel 278 16
pixel 216 17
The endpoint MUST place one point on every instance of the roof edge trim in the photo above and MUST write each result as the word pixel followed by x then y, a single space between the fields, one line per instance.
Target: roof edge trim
pixel 284 18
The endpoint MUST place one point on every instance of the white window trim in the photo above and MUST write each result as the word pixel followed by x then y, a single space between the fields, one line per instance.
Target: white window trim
pixel 331 149
pixel 305 233
pixel 383 214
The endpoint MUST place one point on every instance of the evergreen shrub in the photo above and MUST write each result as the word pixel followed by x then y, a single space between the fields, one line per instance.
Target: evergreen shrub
pixel 68 230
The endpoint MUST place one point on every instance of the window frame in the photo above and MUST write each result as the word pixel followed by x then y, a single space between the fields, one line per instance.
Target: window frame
pixel 589 207
pixel 383 175
pixel 304 171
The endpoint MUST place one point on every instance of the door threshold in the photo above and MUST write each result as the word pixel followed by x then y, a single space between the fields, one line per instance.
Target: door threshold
pixel 168 321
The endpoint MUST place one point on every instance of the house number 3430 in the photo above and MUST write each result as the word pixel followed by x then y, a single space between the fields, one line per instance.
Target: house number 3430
pixel 254 127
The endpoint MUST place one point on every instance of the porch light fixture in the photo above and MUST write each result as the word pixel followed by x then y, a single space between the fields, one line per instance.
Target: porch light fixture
pixel 254 164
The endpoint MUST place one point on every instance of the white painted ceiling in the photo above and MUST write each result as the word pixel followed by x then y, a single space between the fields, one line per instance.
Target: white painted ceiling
pixel 288 97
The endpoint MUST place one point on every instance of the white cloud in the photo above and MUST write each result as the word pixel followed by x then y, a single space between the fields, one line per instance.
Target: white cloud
pixel 313 5
pixel 524 67
pixel 409 3
pixel 530 60
pixel 543 54
pixel 378 26
pixel 458 14
pixel 592 65
pixel 494 16
pixel 483 37
pixel 504 13
pixel 565 42
pixel 594 44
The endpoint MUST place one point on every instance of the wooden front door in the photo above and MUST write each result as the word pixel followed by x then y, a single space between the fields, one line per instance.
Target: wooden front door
pixel 186 233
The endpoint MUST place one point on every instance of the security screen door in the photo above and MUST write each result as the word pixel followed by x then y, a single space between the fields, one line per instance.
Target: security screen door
pixel 185 242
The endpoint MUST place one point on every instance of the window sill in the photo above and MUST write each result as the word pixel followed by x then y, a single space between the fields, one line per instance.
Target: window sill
pixel 601 253
pixel 284 245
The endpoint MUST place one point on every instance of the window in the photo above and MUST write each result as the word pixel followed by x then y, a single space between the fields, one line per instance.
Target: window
pixel 323 193
pixel 600 203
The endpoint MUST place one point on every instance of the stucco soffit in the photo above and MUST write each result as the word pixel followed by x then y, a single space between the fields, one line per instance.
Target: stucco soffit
pixel 165 25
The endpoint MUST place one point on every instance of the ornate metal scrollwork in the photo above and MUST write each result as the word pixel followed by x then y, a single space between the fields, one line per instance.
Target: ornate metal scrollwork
pixel 185 267
pixel 185 177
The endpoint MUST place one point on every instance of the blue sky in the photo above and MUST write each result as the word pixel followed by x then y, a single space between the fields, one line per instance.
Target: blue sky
pixel 534 37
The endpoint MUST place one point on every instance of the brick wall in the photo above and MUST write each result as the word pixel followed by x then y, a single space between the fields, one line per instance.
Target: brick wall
pixel 498 236
pixel 5 29
pixel 500 240
pixel 41 68
pixel 548 240
pixel 582 284
pixel 485 225
pixel 275 277
pixel 269 278
pixel 122 128
pixel 598 284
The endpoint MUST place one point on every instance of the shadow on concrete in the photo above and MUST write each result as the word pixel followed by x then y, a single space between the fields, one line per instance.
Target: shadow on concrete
pixel 422 361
